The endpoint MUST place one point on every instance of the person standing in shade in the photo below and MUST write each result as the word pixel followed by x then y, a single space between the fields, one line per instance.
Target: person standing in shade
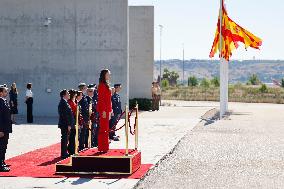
pixel 117 110
pixel 29 102
pixel 66 121
pixel 13 94
pixel 156 95
pixel 5 127
pixel 104 108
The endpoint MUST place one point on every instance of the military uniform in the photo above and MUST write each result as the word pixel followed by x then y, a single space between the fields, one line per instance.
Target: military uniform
pixel 84 130
pixel 6 129
pixel 95 119
pixel 117 110
pixel 156 96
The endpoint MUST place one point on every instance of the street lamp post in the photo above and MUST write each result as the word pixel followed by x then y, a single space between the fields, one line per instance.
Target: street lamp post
pixel 182 64
pixel 161 30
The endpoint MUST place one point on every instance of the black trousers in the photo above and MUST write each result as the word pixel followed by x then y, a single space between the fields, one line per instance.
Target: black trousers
pixel 112 121
pixel 64 141
pixel 71 144
pixel 95 135
pixel 86 137
pixel 82 138
pixel 3 146
pixel 30 110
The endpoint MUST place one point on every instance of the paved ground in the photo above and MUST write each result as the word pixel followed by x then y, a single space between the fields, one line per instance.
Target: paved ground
pixel 244 151
pixel 159 133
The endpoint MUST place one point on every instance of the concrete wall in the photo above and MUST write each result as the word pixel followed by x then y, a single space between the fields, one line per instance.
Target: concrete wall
pixel 84 37
pixel 141 50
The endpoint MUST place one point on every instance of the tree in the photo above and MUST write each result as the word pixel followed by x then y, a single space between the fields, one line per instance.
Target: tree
pixel 215 82
pixel 282 82
pixel 192 81
pixel 166 74
pixel 171 76
pixel 254 80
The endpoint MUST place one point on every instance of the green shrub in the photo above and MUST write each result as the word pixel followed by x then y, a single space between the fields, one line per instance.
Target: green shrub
pixel 165 83
pixel 192 81
pixel 263 88
pixel 215 82
pixel 205 84
pixel 254 80
pixel 282 82
pixel 143 103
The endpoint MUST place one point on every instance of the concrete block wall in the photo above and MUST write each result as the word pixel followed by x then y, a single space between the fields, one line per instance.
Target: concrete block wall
pixel 141 50
pixel 84 37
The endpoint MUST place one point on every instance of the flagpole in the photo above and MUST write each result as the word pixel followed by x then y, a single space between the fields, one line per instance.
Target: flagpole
pixel 223 71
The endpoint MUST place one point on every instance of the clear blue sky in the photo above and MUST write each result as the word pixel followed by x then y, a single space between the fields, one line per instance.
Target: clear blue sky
pixel 193 22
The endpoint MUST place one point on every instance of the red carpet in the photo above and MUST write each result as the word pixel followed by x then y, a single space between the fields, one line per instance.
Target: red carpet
pixel 41 164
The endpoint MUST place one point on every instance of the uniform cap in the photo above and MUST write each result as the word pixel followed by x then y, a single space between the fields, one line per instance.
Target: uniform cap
pixel 82 85
pixel 117 85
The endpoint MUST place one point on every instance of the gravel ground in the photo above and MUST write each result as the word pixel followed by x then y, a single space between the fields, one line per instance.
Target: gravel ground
pixel 245 150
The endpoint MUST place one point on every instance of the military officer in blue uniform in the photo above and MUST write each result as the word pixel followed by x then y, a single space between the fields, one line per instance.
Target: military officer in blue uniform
pixel 95 98
pixel 5 127
pixel 86 117
pixel 92 100
pixel 117 110
pixel 95 117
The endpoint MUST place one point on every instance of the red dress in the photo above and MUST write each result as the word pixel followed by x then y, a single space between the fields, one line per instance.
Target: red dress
pixel 104 105
pixel 73 106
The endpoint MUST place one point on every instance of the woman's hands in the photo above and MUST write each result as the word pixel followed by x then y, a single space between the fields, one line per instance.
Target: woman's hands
pixel 1 134
pixel 104 114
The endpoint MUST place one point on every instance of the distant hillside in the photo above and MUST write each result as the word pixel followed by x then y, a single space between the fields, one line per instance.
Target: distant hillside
pixel 240 71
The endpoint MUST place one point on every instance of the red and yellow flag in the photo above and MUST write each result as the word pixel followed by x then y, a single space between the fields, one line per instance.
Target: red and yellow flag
pixel 232 33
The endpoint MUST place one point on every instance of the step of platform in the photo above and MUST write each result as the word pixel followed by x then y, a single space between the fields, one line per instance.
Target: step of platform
pixel 90 161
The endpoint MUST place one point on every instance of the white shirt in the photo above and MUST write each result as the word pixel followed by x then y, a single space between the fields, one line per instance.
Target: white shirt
pixel 29 93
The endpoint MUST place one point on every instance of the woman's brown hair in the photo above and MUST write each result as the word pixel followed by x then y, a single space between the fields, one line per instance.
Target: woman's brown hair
pixel 15 90
pixel 103 77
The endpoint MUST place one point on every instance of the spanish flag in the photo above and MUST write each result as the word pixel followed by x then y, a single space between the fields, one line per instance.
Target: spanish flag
pixel 231 34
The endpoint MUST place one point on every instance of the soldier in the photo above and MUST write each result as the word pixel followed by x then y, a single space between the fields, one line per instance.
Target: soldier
pixel 91 104
pixel 116 108
pixel 156 96
pixel 66 121
pixel 92 99
pixel 95 93
pixel 85 114
pixel 95 118
pixel 79 97
pixel 5 127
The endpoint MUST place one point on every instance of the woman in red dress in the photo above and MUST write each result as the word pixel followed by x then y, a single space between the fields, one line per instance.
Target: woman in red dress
pixel 104 107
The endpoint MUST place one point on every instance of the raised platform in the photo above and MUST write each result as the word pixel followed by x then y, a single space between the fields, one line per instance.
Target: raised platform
pixel 90 161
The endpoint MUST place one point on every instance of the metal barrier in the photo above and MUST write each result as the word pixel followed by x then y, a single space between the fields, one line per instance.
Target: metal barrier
pixel 126 125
